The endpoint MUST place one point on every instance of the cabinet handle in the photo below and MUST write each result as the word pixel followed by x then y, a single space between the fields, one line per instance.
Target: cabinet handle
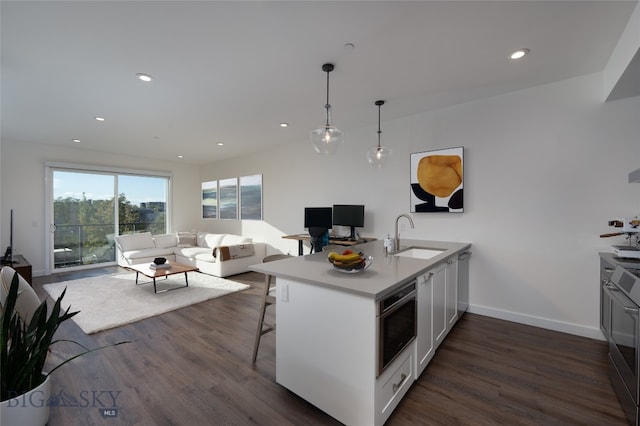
pixel 396 386
pixel 632 311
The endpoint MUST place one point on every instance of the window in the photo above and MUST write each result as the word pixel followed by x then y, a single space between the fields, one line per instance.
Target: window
pixel 85 216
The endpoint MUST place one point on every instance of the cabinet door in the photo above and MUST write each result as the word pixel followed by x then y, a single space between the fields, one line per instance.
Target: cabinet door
pixel 439 283
pixel 424 338
pixel 606 270
pixel 452 292
pixel 463 282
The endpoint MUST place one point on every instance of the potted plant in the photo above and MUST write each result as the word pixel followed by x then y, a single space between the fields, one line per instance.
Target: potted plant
pixel 23 352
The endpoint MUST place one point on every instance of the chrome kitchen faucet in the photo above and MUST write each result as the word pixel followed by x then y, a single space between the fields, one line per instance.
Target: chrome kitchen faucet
pixel 396 240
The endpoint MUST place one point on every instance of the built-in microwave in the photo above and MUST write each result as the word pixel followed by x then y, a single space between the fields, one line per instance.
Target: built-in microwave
pixel 396 324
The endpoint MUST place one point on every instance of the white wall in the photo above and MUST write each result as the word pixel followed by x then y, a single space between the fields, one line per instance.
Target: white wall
pixel 23 190
pixel 545 169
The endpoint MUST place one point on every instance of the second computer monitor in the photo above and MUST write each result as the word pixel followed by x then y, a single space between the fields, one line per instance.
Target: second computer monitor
pixel 350 215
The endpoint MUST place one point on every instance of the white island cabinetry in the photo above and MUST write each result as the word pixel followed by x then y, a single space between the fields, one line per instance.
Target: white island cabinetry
pixel 326 353
pixel 325 343
pixel 437 309
pixel 327 329
pixel 425 348
pixel 451 305
pixel 439 282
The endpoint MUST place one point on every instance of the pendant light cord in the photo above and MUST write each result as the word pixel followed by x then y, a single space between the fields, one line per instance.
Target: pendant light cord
pixel 379 131
pixel 327 105
pixel 379 104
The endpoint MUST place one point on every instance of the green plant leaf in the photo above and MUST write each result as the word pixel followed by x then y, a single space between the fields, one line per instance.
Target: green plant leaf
pixel 24 347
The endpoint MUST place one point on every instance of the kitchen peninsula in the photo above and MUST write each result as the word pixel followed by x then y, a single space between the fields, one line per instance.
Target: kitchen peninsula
pixel 330 337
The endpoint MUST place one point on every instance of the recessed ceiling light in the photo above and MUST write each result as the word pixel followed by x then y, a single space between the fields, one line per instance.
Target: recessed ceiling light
pixel 519 53
pixel 144 77
pixel 99 118
pixel 220 144
pixel 349 46
pixel 180 156
pixel 75 140
pixel 284 125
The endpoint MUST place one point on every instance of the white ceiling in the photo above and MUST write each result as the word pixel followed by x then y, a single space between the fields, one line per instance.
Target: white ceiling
pixel 232 71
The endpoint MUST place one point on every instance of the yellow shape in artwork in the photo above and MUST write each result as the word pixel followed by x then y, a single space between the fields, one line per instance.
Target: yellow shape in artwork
pixel 440 175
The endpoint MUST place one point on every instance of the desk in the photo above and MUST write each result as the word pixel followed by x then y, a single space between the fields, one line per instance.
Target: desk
pixel 22 266
pixel 306 237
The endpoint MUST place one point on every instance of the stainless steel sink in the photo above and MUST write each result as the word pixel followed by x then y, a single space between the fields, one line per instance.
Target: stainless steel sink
pixel 419 252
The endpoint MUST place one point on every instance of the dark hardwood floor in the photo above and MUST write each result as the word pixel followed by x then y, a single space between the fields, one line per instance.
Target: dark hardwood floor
pixel 193 367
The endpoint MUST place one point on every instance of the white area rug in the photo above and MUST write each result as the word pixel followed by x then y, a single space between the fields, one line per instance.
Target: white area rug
pixel 109 301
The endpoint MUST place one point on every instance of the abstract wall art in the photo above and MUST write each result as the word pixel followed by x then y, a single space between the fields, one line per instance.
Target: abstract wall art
pixel 210 200
pixel 437 181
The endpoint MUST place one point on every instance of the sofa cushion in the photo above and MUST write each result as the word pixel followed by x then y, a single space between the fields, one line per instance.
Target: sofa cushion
pixel 206 257
pixel 191 252
pixel 165 240
pixel 206 239
pixel 139 241
pixel 147 252
pixel 232 240
pixel 186 239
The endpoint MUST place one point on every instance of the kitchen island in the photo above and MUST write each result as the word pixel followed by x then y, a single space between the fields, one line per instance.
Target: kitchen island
pixel 327 338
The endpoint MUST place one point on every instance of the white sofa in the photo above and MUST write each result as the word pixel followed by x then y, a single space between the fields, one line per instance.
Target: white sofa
pixel 214 254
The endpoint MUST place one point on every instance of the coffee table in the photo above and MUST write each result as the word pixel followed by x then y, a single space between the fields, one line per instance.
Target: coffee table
pixel 173 269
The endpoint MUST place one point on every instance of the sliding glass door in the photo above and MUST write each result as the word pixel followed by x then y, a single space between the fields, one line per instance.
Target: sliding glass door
pixel 83 218
pixel 86 216
pixel 142 204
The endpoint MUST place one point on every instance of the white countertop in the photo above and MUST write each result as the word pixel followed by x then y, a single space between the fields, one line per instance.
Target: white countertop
pixel 385 273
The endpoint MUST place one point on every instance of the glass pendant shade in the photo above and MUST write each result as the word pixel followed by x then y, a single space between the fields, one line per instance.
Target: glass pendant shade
pixel 378 155
pixel 326 139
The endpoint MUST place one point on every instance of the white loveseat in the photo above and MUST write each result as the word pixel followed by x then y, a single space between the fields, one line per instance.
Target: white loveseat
pixel 214 254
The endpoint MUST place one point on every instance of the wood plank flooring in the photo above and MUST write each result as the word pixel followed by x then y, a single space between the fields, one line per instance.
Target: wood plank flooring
pixel 193 367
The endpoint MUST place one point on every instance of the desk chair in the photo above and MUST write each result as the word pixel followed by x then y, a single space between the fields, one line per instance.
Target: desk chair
pixel 268 298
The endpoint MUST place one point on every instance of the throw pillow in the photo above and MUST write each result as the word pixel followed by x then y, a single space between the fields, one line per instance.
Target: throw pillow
pixel 186 239
pixel 138 241
pixel 165 241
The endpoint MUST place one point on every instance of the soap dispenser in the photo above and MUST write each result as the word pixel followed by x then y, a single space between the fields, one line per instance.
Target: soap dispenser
pixel 388 245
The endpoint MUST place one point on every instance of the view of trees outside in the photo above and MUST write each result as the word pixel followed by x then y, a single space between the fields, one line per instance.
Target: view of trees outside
pixel 85 224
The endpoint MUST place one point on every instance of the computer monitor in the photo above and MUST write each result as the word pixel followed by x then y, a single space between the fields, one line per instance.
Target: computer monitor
pixel 318 217
pixel 351 215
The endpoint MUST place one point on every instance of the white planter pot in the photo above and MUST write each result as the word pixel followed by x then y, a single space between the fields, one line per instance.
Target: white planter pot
pixel 28 409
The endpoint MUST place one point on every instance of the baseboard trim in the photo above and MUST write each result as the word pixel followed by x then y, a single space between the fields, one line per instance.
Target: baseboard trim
pixel 564 327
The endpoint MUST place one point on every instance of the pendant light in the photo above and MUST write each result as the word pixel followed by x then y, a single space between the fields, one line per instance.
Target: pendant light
pixel 325 139
pixel 378 154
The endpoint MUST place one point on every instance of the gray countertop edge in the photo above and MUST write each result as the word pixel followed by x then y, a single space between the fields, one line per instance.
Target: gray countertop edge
pixel 622 261
pixel 386 273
